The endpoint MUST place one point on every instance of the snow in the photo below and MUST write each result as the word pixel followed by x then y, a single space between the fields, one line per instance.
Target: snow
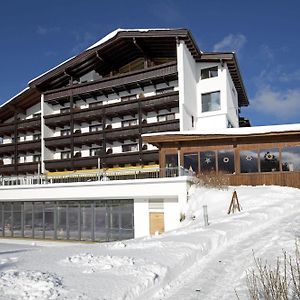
pixel 192 262
pixel 234 131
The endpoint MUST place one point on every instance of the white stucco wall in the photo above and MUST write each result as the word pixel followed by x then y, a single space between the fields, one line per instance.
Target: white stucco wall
pixel 172 191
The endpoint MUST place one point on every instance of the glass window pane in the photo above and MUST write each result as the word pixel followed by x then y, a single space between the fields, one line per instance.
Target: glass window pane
pixel 269 160
pixel 49 219
pixel 61 220
pixel 171 165
pixel 17 213
pixel 28 219
pixel 191 162
pixel 211 102
pixel 226 161
pixel 100 221
pixel 290 158
pixel 207 161
pixel 8 219
pixel 73 210
pixel 38 220
pixel 249 161
pixel 86 220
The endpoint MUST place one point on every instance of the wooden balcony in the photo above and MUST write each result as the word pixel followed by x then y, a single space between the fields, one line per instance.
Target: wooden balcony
pixel 57 120
pixel 7 149
pixel 135 79
pixel 29 125
pixel 172 125
pixel 30 167
pixel 88 114
pixel 123 133
pixel 163 101
pixel 59 142
pixel 7 129
pixel 7 169
pixel 88 138
pixel 29 146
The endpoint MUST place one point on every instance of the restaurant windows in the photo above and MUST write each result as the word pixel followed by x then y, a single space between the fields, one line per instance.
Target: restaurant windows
pixel 209 72
pixel 207 161
pixel 249 161
pixel 226 161
pixel 269 160
pixel 191 162
pixel 211 102
pixel 171 161
pixel 290 158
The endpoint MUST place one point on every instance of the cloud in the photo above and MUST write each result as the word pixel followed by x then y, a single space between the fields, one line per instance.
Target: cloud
pixel 83 41
pixel 231 42
pixel 279 104
pixel 41 30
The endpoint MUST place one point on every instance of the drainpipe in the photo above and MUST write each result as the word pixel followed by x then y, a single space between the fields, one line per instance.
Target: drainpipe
pixel 178 161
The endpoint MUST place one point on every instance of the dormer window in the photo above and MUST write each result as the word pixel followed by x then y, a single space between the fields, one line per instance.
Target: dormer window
pixel 209 72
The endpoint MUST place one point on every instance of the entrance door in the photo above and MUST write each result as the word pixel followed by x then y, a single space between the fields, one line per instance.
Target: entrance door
pixel 157 222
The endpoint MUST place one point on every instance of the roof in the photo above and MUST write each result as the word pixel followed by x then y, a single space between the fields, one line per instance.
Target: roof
pixel 221 133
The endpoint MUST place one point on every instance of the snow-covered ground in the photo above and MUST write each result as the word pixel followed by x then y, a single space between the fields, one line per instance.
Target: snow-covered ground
pixel 193 262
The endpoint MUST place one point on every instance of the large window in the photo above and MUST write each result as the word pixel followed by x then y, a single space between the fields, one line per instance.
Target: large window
pixel 131 122
pixel 269 160
pixel 290 158
pixel 211 102
pixel 191 162
pixel 249 161
pixel 166 117
pixel 207 161
pixel 130 147
pixel 226 161
pixel 95 128
pixel 209 72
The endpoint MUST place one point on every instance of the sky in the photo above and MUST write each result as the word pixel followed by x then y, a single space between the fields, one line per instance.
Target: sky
pixel 37 35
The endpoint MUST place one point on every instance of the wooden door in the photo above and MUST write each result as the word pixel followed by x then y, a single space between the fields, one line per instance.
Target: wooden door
pixel 157 222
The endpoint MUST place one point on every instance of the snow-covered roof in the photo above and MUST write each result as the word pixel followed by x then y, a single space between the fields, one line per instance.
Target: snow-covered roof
pixel 15 96
pixel 233 131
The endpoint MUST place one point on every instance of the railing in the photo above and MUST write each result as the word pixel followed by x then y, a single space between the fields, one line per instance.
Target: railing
pixel 101 175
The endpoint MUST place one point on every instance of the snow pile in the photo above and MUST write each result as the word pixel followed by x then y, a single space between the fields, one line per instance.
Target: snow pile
pixel 29 285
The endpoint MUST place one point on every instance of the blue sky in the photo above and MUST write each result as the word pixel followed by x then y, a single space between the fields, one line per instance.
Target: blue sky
pixel 37 35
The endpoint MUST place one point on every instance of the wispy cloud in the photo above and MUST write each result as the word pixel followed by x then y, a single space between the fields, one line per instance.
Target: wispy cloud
pixel 82 41
pixel 283 105
pixel 231 42
pixel 42 30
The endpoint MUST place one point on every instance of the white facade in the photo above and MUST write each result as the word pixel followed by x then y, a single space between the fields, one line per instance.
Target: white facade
pixel 171 192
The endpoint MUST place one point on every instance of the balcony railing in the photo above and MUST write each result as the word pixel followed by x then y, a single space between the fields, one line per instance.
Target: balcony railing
pixel 101 176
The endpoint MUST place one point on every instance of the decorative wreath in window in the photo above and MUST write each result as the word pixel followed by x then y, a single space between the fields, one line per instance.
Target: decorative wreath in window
pixel 226 159
pixel 269 156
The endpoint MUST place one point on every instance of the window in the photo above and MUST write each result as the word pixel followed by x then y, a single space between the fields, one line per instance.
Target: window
pixel 65 132
pixel 65 110
pixel 164 90
pixel 211 102
pixel 128 98
pixel 94 128
pixel 65 155
pixel 95 104
pixel 207 161
pixel 130 147
pixel 166 117
pixel 37 158
pixel 226 161
pixel 209 72
pixel 191 162
pixel 269 160
pixel 193 121
pixel 36 136
pixel 249 161
pixel 290 158
pixel 171 161
pixel 95 151
pixel 130 122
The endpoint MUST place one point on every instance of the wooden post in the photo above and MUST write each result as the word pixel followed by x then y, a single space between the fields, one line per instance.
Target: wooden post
pixel 234 204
